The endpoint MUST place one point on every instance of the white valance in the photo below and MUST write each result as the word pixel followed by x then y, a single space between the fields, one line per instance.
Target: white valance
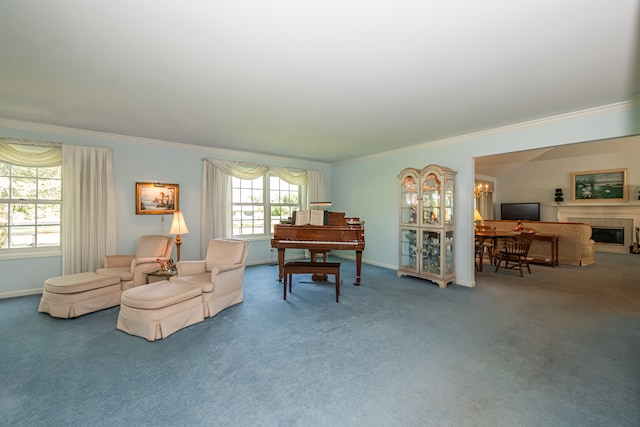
pixel 244 170
pixel 30 153
pixel 216 221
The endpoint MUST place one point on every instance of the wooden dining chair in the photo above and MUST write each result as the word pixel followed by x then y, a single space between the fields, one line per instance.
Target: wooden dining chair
pixel 479 248
pixel 514 252
pixel 487 244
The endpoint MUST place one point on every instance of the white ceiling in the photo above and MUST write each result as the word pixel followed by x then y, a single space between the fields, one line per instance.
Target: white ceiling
pixel 321 80
pixel 500 164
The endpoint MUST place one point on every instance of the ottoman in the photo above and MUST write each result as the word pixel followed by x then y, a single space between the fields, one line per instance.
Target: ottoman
pixel 77 294
pixel 157 310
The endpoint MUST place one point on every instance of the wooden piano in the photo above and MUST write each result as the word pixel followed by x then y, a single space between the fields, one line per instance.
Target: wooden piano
pixel 339 233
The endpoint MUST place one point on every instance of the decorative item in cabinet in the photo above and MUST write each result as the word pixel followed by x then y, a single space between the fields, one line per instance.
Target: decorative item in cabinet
pixel 426 224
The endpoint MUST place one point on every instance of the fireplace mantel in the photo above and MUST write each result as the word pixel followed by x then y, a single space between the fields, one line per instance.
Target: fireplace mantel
pixel 617 210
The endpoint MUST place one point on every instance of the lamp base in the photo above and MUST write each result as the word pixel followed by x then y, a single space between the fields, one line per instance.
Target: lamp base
pixel 178 243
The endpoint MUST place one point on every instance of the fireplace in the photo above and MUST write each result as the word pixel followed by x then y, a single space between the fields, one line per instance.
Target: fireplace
pixel 609 218
pixel 607 235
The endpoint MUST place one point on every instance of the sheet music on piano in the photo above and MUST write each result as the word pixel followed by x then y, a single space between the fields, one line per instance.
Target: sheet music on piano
pixel 309 217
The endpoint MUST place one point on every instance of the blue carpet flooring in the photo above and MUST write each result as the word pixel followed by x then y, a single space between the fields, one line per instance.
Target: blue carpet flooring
pixel 559 347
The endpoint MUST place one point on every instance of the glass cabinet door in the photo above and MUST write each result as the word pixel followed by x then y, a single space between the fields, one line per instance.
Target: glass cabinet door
pixel 431 200
pixel 448 252
pixel 409 201
pixel 408 248
pixel 430 252
pixel 448 201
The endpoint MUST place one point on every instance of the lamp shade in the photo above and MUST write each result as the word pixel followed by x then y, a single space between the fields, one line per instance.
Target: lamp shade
pixel 476 215
pixel 178 226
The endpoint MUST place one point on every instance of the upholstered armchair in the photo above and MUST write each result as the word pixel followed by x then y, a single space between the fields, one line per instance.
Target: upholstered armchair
pixel 132 268
pixel 219 275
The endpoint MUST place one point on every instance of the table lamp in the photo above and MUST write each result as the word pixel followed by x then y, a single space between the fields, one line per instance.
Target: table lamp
pixel 178 227
pixel 477 218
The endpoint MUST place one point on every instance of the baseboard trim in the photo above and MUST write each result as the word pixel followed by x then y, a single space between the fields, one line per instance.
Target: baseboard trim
pixel 22 293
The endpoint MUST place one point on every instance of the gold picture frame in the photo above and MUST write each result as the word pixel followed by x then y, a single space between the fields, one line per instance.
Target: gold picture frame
pixel 154 198
pixel 607 185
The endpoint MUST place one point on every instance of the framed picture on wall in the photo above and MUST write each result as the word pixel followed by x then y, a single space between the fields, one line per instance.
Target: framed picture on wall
pixel 609 185
pixel 153 198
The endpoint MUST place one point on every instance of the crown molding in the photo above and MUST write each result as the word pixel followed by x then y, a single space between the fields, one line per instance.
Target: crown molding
pixel 618 106
pixel 221 153
pixel 251 156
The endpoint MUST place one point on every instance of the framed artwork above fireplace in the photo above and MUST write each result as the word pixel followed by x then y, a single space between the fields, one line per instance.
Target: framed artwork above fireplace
pixel 608 185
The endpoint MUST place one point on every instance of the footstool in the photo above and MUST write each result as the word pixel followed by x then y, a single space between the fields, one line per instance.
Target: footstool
pixel 76 294
pixel 157 310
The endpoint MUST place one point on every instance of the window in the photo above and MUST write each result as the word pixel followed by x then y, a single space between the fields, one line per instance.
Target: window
pixel 253 197
pixel 30 205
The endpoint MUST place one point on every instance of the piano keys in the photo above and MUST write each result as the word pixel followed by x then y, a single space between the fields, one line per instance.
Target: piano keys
pixel 339 233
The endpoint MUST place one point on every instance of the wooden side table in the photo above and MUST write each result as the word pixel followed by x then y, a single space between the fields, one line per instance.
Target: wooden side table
pixel 161 273
pixel 553 242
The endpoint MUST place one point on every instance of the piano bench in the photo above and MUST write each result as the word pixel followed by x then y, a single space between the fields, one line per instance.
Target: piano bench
pixel 302 267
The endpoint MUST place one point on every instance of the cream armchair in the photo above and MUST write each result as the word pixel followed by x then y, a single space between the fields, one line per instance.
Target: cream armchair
pixel 132 268
pixel 219 275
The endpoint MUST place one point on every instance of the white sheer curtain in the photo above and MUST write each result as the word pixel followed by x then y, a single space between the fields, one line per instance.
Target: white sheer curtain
pixel 216 221
pixel 485 206
pixel 88 210
pixel 216 192
pixel 484 203
pixel 315 187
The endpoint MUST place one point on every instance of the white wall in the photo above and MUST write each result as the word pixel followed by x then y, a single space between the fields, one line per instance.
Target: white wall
pixel 539 179
pixel 365 187
pixel 368 187
pixel 137 160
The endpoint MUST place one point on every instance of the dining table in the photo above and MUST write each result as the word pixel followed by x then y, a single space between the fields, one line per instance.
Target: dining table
pixel 495 235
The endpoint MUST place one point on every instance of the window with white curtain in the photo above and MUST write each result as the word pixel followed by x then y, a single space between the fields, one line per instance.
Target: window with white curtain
pixel 30 200
pixel 253 197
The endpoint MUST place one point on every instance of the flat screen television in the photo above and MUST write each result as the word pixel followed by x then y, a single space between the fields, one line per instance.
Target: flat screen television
pixel 517 211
